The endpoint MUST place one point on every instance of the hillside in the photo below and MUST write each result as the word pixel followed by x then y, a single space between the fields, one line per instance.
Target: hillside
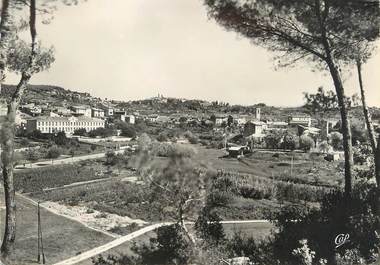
pixel 58 96
pixel 51 95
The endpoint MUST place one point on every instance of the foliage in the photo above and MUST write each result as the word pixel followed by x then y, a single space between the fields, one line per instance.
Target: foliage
pixel 170 247
pixel 336 140
pixel 306 143
pixel 32 154
pixel 177 182
pixel 321 101
pixel 290 141
pixel 53 152
pixel 102 132
pixel 18 57
pixel 208 226
pixel 127 130
pixel 273 139
pixel 362 154
pixel 80 132
pixel 193 139
pixel 260 253
pixel 359 134
pixel 324 147
pixel 338 214
pixel 60 138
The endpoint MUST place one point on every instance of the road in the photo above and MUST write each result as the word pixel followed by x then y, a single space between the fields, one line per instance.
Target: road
pixel 62 161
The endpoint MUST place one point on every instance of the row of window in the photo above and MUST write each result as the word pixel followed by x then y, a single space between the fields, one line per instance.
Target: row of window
pixel 67 123
pixel 66 129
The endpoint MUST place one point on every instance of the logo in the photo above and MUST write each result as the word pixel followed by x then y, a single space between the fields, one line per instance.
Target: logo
pixel 341 239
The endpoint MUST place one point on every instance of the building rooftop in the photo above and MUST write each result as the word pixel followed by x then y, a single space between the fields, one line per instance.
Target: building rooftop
pixel 80 118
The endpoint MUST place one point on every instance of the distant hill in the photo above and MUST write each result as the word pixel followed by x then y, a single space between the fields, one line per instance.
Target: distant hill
pixel 58 96
pixel 52 95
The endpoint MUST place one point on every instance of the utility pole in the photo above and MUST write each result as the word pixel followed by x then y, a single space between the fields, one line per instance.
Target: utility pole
pixel 40 243
pixel 291 167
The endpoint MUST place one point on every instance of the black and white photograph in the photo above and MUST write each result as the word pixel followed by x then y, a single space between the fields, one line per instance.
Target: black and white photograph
pixel 189 132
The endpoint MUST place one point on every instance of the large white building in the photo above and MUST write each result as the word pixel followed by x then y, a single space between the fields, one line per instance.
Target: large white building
pixel 63 124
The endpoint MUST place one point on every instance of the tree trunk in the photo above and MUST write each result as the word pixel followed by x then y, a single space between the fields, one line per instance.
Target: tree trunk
pixel 8 128
pixel 8 166
pixel 370 129
pixel 5 25
pixel 338 84
pixel 5 28
pixel 346 130
pixel 9 192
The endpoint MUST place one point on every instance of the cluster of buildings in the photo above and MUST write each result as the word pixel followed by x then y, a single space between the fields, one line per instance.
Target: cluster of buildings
pixel 50 119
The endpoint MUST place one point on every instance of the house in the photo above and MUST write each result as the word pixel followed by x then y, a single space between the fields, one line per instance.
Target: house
pixel 108 110
pixel 122 116
pixel 311 131
pixel 97 113
pixel 152 118
pixel 254 129
pixel 219 120
pixel 81 111
pixel 299 119
pixel 130 119
pixel 235 151
pixel 63 124
pixel 31 109
pixel 61 111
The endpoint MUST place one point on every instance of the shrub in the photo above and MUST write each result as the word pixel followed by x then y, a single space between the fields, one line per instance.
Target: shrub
pixel 53 152
pixel 273 139
pixel 290 141
pixel 128 131
pixel 324 147
pixel 336 140
pixel 193 139
pixel 102 132
pixel 169 247
pixel 209 228
pixel 80 132
pixel 162 137
pixel 306 143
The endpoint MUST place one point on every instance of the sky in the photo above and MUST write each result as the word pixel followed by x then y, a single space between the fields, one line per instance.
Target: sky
pixel 135 49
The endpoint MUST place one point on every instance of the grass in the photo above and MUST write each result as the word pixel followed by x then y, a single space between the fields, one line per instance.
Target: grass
pixel 307 168
pixel 34 180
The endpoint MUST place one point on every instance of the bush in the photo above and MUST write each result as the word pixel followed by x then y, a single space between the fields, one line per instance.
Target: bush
pixel 306 143
pixel 290 141
pixel 209 228
pixel 191 137
pixel 170 247
pixel 324 147
pixel 128 131
pixel 273 139
pixel 162 137
pixel 336 140
pixel 102 132
pixel 80 132
pixel 53 152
